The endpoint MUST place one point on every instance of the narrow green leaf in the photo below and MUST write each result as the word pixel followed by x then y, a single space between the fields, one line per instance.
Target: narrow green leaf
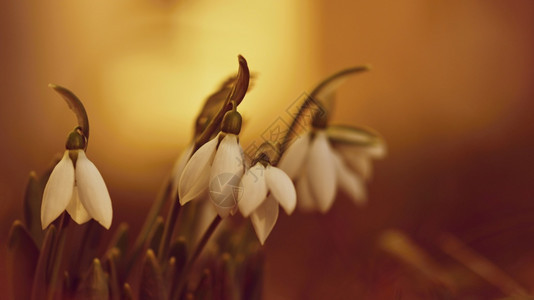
pixel 120 239
pixel 178 251
pixel 94 285
pixel 151 286
pixel 205 286
pixel 54 264
pixel 127 292
pixel 156 234
pixel 22 260
pixel 147 228
pixel 39 287
pixel 111 266
pixel 87 248
pixel 32 207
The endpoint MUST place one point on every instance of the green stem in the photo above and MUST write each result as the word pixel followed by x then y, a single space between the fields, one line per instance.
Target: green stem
pixel 161 199
pixel 191 262
pixel 313 99
pixel 168 229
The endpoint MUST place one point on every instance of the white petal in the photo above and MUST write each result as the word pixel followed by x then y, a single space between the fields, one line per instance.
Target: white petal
pixel 305 199
pixel 293 159
pixel 321 172
pixel 225 176
pixel 195 177
pixel 76 210
pixel 204 216
pixel 264 218
pixel 376 150
pixel 58 190
pixel 282 188
pixel 358 160
pixel 349 182
pixel 92 191
pixel 254 189
pixel 178 169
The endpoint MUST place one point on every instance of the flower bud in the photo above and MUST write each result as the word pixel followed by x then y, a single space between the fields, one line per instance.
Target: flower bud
pixel 75 141
pixel 320 119
pixel 231 122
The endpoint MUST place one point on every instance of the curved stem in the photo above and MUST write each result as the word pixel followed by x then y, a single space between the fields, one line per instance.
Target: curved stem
pixel 236 95
pixel 76 106
pixel 314 98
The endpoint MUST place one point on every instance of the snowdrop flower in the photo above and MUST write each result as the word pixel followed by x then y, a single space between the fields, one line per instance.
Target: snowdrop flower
pixel 264 187
pixel 216 169
pixel 178 169
pixel 326 158
pixel 76 185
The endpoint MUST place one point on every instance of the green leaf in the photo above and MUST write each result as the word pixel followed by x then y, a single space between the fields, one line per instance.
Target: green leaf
pixel 156 234
pixel 32 207
pixel 147 228
pixel 151 286
pixel 178 251
pixel 127 292
pixel 111 265
pixel 205 287
pixel 120 239
pixel 23 255
pixel 40 280
pixel 87 249
pixel 94 285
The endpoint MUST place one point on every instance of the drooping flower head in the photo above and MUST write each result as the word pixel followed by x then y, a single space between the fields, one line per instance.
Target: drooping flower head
pixel 215 169
pixel 325 157
pixel 75 184
pixel 264 187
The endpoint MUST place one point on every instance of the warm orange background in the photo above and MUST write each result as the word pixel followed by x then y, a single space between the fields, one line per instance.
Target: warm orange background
pixel 451 91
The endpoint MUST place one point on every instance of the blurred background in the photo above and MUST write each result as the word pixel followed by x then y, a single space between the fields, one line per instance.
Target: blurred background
pixel 451 92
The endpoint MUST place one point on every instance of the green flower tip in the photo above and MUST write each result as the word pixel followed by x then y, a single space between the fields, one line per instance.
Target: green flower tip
pixel 76 140
pixel 231 122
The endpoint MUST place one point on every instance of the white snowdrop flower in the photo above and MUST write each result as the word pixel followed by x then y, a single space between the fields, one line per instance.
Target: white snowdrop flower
pixel 76 185
pixel 325 159
pixel 216 169
pixel 264 187
pixel 178 169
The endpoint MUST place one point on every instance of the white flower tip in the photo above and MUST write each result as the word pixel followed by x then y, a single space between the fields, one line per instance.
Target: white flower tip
pixel 58 190
pixel 92 191
pixel 106 223
pixel 325 206
pixel 254 189
pixel 45 222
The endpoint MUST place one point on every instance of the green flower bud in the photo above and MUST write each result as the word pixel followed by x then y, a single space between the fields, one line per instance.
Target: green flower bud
pixel 231 122
pixel 320 119
pixel 75 141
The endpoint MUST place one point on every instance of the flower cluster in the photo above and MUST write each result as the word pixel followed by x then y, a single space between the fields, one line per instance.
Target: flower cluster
pixel 210 182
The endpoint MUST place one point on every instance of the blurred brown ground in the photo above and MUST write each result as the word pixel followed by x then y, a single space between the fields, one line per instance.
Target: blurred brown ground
pixel 451 92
